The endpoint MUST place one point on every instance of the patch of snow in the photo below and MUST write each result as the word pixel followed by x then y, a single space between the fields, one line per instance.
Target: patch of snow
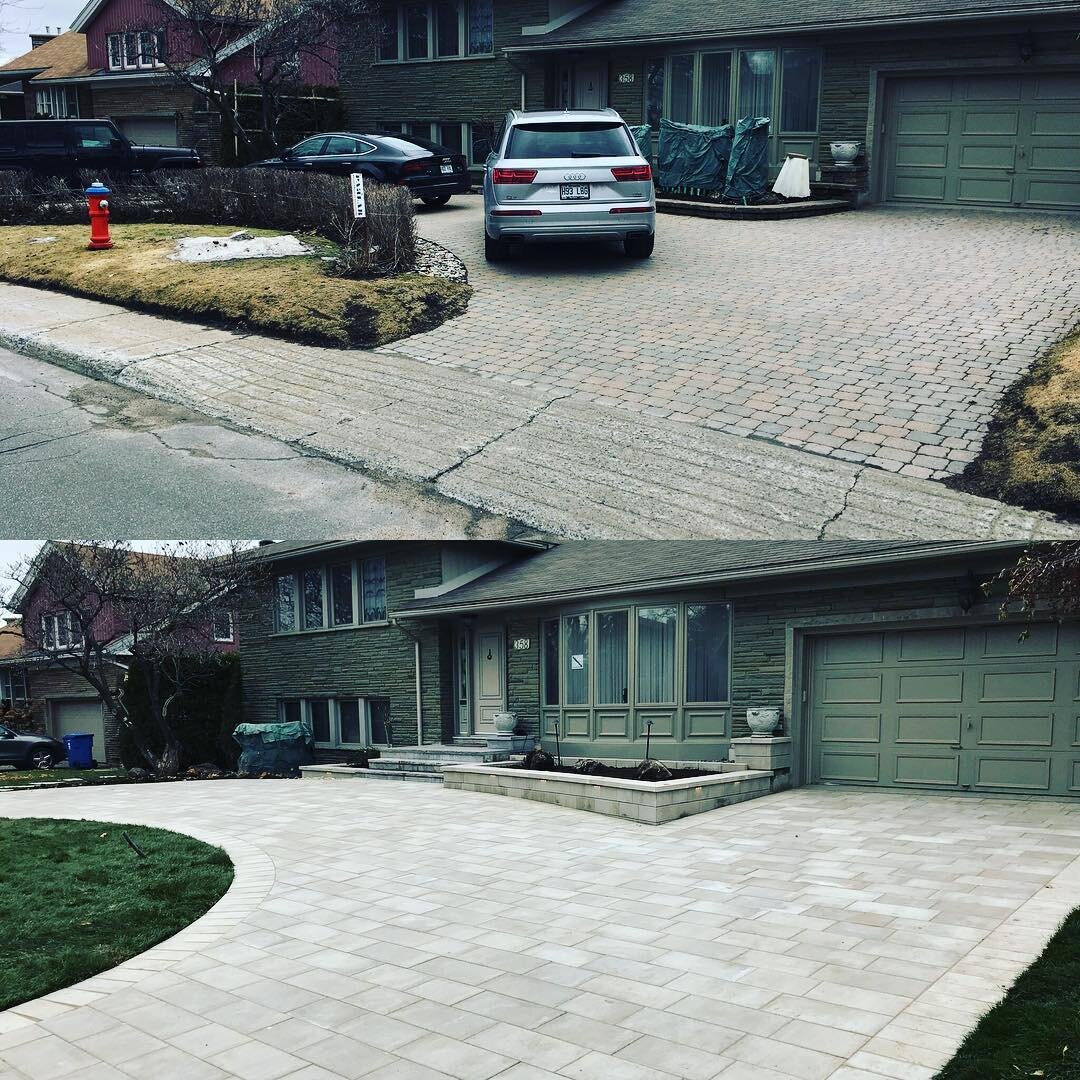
pixel 43 240
pixel 240 245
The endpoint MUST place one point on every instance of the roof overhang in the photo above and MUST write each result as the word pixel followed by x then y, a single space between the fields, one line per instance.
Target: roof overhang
pixel 10 75
pixel 267 553
pixel 814 27
pixel 780 570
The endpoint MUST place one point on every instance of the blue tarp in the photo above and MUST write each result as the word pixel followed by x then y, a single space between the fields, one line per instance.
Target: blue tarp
pixel 643 137
pixel 274 748
pixel 694 156
pixel 748 169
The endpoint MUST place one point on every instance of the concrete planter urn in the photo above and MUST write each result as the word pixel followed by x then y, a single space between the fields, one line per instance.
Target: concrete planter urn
pixel 505 722
pixel 763 721
pixel 845 153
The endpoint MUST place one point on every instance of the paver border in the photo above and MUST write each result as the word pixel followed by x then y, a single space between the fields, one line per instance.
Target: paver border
pixel 254 874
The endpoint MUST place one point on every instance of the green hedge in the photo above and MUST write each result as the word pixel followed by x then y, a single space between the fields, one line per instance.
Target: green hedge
pixel 203 718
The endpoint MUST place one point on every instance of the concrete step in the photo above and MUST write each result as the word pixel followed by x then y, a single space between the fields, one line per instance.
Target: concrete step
pixel 314 772
pixel 441 754
pixel 403 765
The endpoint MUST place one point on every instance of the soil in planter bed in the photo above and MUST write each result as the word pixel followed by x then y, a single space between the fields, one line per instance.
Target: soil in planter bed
pixel 616 773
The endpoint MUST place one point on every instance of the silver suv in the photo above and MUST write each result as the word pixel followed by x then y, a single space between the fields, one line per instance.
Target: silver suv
pixel 564 176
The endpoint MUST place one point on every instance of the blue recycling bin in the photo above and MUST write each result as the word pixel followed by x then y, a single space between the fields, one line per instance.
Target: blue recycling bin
pixel 80 750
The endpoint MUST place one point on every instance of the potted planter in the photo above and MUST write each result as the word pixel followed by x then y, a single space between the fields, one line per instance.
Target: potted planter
pixel 845 152
pixel 505 723
pixel 763 721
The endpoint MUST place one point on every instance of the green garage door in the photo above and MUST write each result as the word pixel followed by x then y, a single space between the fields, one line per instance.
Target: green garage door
pixel 984 140
pixel 966 709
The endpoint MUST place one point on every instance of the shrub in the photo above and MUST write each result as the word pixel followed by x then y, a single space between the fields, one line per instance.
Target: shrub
pixel 384 243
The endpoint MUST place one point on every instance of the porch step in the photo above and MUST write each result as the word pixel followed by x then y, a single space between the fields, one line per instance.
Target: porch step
pixel 470 740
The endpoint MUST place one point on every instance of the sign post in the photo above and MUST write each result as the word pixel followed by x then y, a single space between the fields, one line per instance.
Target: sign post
pixel 356 181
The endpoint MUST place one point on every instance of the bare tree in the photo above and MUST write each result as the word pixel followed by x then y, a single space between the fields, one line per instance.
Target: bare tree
pixel 212 47
pixel 94 609
pixel 1045 579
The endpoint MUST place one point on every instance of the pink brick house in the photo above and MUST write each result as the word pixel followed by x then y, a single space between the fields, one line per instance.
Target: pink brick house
pixel 119 62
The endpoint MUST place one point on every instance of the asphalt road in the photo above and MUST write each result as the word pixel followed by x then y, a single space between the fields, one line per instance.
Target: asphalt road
pixel 81 458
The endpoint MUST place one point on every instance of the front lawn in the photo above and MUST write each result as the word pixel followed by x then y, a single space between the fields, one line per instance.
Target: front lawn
pixel 1031 455
pixel 1035 1030
pixel 77 900
pixel 51 776
pixel 291 297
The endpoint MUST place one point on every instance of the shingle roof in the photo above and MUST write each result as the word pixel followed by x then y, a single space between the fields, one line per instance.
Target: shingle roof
pixel 62 57
pixel 597 567
pixel 12 642
pixel 620 21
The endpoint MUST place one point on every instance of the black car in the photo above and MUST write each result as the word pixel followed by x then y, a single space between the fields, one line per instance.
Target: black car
pixel 29 751
pixel 430 171
pixel 64 147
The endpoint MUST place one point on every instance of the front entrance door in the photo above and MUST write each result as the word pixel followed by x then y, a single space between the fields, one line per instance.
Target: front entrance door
pixel 590 90
pixel 490 681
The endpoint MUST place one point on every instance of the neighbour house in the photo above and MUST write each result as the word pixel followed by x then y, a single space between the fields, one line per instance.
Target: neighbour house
pixel 969 103
pixel 110 66
pixel 37 672
pixel 887 661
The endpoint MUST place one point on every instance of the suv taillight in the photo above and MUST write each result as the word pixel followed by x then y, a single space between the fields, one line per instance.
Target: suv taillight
pixel 513 176
pixel 632 172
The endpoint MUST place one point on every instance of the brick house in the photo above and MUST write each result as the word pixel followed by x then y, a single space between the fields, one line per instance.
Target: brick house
pixel 60 700
pixel 971 102
pixel 888 664
pixel 108 67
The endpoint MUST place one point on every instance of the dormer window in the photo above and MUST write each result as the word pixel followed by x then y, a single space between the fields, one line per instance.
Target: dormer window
pixel 60 630
pixel 136 50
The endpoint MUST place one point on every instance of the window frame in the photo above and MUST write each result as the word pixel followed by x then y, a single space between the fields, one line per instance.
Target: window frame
pixel 399 23
pixel 217 614
pixel 52 95
pixel 74 631
pixel 333 702
pixel 784 50
pixel 7 686
pixel 123 60
pixel 677 652
pixel 326 584
pixel 686 644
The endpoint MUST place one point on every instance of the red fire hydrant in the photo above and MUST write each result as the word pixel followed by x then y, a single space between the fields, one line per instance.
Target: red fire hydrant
pixel 97 198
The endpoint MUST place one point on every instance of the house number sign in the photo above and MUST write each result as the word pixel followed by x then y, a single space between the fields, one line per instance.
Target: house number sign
pixel 357 184
pixel 522 644
pixel 626 76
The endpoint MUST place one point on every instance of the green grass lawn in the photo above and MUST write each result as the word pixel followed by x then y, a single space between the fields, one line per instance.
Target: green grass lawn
pixel 1035 1030
pixel 47 776
pixel 77 900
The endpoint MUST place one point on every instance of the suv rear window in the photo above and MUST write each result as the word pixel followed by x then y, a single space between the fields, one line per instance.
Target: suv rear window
pixel 563 140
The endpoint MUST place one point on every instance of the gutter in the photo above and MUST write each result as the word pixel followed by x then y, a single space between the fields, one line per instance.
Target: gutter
pixel 416 667
pixel 797 28
pixel 722 577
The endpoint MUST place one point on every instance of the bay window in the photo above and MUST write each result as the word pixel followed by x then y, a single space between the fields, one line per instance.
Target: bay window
pixel 322 597
pixel 436 30
pixel 346 722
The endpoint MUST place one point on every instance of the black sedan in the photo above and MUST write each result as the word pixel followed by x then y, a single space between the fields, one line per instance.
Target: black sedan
pixel 430 171
pixel 29 751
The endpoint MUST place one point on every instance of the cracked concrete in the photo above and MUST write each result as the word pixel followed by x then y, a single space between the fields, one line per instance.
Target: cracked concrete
pixel 555 461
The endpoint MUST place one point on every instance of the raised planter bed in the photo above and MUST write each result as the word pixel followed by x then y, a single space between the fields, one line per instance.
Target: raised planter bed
pixel 636 800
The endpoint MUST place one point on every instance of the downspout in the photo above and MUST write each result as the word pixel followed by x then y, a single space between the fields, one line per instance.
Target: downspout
pixel 416 667
pixel 521 71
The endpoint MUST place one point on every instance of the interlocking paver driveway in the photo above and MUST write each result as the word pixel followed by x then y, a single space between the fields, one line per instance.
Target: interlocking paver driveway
pixel 883 336
pixel 412 933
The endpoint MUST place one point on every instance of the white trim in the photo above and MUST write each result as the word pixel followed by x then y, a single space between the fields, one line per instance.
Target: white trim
pixel 213 629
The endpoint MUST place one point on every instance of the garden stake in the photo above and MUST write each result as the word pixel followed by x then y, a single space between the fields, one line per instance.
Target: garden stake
pixel 648 738
pixel 558 746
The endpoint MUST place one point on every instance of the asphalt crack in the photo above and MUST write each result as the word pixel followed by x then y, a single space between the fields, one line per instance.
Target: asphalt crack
pixel 844 505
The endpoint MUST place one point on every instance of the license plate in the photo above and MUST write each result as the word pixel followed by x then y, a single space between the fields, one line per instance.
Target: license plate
pixel 575 191
pixel 447 168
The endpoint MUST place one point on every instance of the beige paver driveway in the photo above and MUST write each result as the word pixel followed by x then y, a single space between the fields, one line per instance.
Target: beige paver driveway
pixel 885 336
pixel 401 932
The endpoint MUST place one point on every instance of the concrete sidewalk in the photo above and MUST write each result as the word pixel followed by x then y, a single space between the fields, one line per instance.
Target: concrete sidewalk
pixel 551 458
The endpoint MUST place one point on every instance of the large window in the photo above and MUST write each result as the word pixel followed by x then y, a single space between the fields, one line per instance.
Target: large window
pixel 135 49
pixel 656 628
pixel 56 102
pixel 715 89
pixel 341 721
pixel 708 643
pixel 681 94
pixel 331 596
pixel 436 30
pixel 576 675
pixel 12 686
pixel 799 90
pixel 756 70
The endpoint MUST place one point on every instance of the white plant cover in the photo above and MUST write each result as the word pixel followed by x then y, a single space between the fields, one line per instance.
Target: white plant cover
pixel 794 179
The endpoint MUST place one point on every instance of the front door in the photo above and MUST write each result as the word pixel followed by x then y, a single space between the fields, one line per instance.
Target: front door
pixel 490 681
pixel 590 89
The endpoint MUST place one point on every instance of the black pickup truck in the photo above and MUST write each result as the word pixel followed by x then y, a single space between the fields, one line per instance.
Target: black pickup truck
pixel 65 147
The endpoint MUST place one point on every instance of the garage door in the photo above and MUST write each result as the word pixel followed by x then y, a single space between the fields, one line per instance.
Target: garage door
pixel 970 709
pixel 78 715
pixel 984 140
pixel 149 130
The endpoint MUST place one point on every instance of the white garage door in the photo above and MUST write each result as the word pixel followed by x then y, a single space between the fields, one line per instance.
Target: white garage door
pixel 77 715
pixel 149 130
